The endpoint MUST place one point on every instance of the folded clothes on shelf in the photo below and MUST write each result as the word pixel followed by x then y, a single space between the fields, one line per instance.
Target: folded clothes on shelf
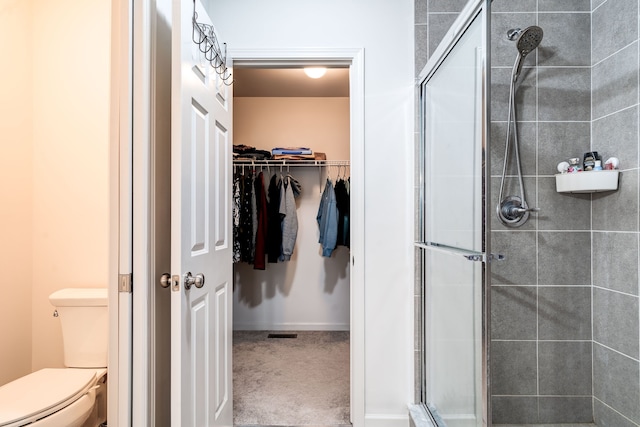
pixel 314 156
pixel 247 152
pixel 292 150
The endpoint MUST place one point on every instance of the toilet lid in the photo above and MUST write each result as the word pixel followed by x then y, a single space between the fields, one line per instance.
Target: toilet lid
pixel 43 392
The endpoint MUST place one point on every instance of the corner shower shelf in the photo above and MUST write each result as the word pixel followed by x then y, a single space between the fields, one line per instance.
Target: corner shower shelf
pixel 587 182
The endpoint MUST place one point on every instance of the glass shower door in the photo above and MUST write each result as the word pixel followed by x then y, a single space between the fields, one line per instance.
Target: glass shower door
pixel 452 242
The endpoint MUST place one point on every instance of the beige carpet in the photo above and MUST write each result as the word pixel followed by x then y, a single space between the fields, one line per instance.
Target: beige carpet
pixel 301 381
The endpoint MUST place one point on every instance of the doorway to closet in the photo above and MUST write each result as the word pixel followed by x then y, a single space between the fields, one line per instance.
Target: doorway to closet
pixel 292 316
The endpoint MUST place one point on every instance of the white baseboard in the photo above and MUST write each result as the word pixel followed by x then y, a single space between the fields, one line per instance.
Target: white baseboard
pixel 237 326
pixel 382 420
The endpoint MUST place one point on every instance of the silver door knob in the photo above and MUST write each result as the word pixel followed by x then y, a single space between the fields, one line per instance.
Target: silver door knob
pixel 165 280
pixel 190 280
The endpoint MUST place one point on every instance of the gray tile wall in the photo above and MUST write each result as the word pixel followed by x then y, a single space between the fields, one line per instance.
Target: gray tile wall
pixel 565 304
pixel 541 294
pixel 615 232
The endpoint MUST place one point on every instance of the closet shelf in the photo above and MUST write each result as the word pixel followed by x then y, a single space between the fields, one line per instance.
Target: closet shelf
pixel 289 162
pixel 587 182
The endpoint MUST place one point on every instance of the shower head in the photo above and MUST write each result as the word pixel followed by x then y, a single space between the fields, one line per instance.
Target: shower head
pixel 526 41
pixel 529 40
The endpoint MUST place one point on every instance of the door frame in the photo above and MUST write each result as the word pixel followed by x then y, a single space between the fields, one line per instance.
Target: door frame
pixel 354 59
pixel 130 213
pixel 130 323
pixel 119 400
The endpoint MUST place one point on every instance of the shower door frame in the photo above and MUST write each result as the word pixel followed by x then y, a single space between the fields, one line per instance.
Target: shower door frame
pixel 475 9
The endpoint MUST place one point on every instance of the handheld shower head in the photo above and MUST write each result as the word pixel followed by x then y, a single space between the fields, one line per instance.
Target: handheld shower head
pixel 529 39
pixel 513 211
pixel 526 41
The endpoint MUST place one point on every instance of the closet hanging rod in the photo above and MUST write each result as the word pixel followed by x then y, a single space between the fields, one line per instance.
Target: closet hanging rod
pixel 292 163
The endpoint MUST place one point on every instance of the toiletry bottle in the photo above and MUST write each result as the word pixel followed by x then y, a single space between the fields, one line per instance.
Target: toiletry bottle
pixel 589 160
pixel 575 165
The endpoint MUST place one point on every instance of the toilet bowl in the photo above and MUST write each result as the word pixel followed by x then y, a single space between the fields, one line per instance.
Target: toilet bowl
pixel 74 396
pixel 53 398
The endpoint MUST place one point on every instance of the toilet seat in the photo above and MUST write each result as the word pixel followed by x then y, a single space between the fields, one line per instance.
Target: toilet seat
pixel 42 393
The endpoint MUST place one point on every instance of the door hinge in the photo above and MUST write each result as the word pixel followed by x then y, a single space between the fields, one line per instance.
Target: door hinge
pixel 125 283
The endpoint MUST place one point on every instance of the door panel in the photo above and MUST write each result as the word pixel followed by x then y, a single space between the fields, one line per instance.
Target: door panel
pixel 199 183
pixel 454 154
pixel 222 186
pixel 222 358
pixel 453 309
pixel 200 228
pixel 200 344
pixel 454 246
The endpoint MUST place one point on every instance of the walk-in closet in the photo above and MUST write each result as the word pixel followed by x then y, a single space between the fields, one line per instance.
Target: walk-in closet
pixel 291 311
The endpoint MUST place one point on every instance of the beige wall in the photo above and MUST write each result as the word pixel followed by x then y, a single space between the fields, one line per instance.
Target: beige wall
pixel 313 291
pixel 71 49
pixel 319 123
pixel 15 189
pixel 53 168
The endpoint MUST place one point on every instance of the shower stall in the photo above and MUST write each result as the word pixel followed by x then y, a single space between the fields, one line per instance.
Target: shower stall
pixel 528 298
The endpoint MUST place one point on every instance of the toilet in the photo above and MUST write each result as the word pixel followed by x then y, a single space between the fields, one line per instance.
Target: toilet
pixel 74 396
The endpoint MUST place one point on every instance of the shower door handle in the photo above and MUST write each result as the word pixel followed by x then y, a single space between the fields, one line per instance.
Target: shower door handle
pixel 485 258
pixel 471 256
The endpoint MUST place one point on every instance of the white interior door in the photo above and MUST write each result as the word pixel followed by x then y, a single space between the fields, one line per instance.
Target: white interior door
pixel 201 331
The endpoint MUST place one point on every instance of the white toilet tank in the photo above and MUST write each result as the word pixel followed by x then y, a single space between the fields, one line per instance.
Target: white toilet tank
pixel 85 325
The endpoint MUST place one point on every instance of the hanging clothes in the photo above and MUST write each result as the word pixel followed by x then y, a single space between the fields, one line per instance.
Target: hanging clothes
pixel 343 204
pixel 262 226
pixel 236 218
pixel 328 219
pixel 245 232
pixel 290 187
pixel 274 220
pixel 254 217
pixel 265 221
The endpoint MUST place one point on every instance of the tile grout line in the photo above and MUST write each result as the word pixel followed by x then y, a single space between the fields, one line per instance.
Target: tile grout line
pixel 591 218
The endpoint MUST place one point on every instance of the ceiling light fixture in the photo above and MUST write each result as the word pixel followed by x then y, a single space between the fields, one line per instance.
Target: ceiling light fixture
pixel 315 72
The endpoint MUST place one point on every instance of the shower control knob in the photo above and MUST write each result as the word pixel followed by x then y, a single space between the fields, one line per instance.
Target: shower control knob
pixel 523 210
pixel 513 212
